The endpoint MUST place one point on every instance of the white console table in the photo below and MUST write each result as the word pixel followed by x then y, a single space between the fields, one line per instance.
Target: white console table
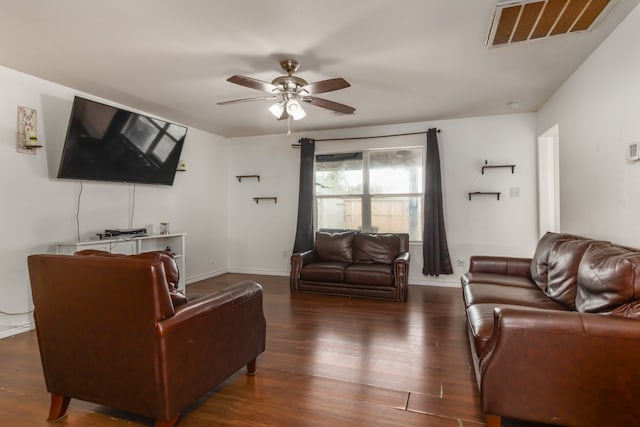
pixel 130 245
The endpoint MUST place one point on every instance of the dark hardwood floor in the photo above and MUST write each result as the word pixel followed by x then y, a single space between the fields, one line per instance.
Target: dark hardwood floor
pixel 330 361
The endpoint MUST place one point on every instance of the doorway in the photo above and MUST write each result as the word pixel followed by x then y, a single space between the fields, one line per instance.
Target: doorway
pixel 549 181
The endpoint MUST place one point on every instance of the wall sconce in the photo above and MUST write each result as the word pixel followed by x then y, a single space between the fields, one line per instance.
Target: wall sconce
pixel 27 130
pixel 182 166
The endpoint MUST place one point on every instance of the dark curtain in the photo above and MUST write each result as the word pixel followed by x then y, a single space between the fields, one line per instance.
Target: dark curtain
pixel 304 230
pixel 435 250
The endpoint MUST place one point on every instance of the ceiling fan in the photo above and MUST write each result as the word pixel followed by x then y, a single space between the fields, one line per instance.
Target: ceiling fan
pixel 291 91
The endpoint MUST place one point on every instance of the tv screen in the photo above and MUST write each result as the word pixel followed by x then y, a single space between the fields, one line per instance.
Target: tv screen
pixel 106 143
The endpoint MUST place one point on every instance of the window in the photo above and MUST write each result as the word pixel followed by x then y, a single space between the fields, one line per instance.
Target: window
pixel 371 191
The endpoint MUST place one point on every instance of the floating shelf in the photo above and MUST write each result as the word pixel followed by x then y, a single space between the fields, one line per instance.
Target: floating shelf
pixel 241 177
pixel 257 199
pixel 485 193
pixel 512 167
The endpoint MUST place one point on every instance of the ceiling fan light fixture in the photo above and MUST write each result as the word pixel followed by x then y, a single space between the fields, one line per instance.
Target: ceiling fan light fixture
pixel 294 109
pixel 277 109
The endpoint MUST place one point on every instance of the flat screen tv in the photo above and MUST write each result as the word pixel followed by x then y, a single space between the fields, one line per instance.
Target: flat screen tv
pixel 105 143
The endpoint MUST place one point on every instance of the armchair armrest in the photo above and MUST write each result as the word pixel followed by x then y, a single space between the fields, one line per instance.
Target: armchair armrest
pixel 500 265
pixel 201 334
pixel 572 368
pixel 299 260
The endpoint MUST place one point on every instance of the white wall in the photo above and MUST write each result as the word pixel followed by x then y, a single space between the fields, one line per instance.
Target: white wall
pixel 39 210
pixel 598 114
pixel 261 236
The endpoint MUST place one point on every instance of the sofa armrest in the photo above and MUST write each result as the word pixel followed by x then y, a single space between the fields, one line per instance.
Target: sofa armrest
pixel 567 367
pixel 401 275
pixel 299 260
pixel 500 265
pixel 402 257
pixel 222 331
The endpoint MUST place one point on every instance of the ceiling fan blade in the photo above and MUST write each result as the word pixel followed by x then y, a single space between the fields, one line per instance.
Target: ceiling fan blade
pixel 330 105
pixel 325 86
pixel 237 101
pixel 253 83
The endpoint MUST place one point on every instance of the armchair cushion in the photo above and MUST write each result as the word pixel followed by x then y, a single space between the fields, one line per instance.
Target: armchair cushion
pixel 169 264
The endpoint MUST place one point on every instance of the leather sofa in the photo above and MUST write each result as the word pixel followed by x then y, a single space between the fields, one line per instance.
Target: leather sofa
pixel 356 264
pixel 109 333
pixel 555 338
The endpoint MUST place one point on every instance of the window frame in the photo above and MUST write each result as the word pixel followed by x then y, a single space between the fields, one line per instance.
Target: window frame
pixel 366 196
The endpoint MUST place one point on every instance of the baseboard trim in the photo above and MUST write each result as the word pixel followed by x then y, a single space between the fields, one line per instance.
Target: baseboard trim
pixel 440 283
pixel 204 276
pixel 445 283
pixel 265 272
pixel 16 330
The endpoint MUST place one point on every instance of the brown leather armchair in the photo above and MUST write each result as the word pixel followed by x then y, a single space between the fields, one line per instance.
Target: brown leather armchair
pixel 109 333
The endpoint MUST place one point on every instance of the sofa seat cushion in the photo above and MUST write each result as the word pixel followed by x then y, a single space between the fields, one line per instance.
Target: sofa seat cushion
pixel 335 247
pixel 480 320
pixel 324 272
pixel 369 274
pixel 376 248
pixel 498 279
pixel 487 293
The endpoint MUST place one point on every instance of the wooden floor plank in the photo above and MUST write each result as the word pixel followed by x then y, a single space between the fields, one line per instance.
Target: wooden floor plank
pixel 329 361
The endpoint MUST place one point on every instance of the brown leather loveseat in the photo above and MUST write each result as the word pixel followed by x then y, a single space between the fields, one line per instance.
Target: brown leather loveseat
pixel 355 264
pixel 556 338
pixel 109 333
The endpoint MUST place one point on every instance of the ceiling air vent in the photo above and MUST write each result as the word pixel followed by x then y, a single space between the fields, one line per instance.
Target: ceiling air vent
pixel 517 21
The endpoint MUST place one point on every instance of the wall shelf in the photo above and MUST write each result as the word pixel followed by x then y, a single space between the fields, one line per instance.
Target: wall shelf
pixel 512 167
pixel 257 199
pixel 241 177
pixel 485 193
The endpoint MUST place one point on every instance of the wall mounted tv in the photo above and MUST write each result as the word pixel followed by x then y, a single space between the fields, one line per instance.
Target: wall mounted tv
pixel 106 143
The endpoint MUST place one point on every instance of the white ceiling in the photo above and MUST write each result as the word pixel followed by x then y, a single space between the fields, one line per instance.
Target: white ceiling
pixel 406 60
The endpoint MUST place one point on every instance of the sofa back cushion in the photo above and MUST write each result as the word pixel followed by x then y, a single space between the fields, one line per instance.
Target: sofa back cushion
pixel 609 281
pixel 562 270
pixel 376 248
pixel 540 262
pixel 335 247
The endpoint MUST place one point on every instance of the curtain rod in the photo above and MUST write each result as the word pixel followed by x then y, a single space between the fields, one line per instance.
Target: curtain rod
pixel 372 137
pixel 368 137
